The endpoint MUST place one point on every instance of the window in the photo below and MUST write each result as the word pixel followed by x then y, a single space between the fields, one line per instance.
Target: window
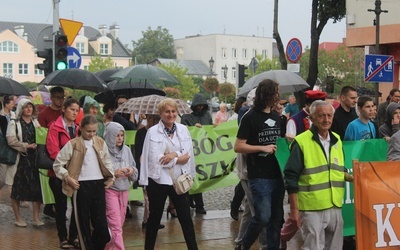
pixel 8 70
pixel 81 47
pixel 264 53
pixel 254 53
pixel 103 49
pixel 86 67
pixel 8 46
pixel 223 55
pixel 23 69
pixel 234 55
pixel 233 73
pixel 38 72
pixel 244 53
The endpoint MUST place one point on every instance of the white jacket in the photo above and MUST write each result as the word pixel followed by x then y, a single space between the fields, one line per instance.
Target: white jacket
pixel 155 144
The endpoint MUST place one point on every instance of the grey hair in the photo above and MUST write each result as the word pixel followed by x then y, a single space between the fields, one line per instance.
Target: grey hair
pixel 290 97
pixel 222 105
pixel 319 103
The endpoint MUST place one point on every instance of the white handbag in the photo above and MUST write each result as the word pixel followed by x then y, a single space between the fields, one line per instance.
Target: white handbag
pixel 183 183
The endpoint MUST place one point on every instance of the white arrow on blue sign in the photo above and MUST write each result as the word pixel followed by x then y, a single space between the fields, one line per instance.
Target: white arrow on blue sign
pixel 378 68
pixel 74 58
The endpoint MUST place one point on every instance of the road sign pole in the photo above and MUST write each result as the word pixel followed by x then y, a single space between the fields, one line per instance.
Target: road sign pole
pixel 56 25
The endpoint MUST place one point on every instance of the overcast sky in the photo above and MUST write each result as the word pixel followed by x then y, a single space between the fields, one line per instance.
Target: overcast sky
pixel 181 17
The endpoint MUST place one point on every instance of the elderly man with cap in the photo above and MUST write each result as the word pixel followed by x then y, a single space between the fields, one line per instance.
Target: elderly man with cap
pixel 301 122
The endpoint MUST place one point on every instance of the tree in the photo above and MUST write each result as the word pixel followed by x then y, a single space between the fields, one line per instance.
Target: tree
pixel 321 12
pixel 267 64
pixel 187 87
pixel 98 63
pixel 277 37
pixel 172 92
pixel 226 90
pixel 153 44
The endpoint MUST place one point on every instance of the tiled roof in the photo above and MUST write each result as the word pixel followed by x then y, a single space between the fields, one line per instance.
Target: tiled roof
pixel 33 30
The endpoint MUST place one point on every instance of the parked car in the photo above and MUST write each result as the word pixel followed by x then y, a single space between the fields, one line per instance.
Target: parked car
pixel 214 106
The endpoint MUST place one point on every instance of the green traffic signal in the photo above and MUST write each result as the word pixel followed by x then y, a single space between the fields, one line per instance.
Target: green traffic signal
pixel 61 53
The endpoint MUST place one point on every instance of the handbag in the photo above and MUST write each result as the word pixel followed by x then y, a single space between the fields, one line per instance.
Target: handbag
pixel 43 159
pixel 8 155
pixel 183 183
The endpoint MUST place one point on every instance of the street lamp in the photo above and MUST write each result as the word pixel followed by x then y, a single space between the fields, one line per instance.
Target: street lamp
pixel 211 63
pixel 225 69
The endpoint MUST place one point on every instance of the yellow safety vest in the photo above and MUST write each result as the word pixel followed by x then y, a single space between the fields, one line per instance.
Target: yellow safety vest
pixel 321 184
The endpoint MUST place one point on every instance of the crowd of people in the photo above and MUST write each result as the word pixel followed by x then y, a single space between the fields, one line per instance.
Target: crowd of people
pixel 95 169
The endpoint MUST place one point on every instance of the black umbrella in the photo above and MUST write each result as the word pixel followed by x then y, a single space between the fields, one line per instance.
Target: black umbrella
pixel 145 74
pixel 11 87
pixel 129 89
pixel 106 73
pixel 75 79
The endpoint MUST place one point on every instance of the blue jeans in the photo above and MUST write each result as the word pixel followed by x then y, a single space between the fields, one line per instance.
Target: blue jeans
pixel 268 197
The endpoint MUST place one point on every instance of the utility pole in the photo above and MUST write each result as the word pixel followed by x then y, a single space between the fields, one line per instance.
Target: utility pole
pixel 56 25
pixel 377 12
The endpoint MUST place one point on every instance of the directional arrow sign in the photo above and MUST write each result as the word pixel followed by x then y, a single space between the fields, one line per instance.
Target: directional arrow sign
pixel 74 58
pixel 378 68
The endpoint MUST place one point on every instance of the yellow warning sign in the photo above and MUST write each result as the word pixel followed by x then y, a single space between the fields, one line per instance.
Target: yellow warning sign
pixel 71 29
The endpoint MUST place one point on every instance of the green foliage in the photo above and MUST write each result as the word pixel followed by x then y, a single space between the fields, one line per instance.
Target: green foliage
pixel 226 89
pixel 153 44
pixel 344 64
pixel 187 88
pixel 211 85
pixel 97 63
pixel 265 64
pixel 172 92
pixel 199 81
pixel 30 86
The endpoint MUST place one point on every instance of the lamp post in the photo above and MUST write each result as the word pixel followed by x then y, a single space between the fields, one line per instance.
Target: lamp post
pixel 211 63
pixel 377 12
pixel 225 69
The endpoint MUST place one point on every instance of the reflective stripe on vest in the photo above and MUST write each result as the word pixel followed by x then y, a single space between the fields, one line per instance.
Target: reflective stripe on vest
pixel 321 184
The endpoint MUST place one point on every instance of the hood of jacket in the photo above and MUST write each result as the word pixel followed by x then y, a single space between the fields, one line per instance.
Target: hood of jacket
pixel 391 108
pixel 88 102
pixel 21 105
pixel 110 137
pixel 199 99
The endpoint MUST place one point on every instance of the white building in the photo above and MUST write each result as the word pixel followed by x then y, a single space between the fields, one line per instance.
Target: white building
pixel 225 50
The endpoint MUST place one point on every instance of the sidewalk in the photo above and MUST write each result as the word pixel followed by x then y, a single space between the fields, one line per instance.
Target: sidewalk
pixel 215 230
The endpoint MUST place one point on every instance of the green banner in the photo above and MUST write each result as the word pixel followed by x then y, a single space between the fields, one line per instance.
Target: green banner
pixel 214 156
pixel 367 150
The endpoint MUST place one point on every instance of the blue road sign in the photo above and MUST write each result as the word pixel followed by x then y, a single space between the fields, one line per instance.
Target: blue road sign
pixel 74 58
pixel 294 50
pixel 378 68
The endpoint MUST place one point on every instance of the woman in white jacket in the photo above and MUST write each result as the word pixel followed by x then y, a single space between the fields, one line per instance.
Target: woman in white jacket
pixel 168 145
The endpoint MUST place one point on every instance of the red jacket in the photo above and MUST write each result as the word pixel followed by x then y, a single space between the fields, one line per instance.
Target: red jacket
pixel 57 137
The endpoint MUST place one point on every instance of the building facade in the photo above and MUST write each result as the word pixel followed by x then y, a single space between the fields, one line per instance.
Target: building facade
pixel 226 50
pixel 19 42
pixel 361 32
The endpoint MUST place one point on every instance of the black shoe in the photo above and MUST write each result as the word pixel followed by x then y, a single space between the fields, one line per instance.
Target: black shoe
pixel 192 205
pixel 201 210
pixel 144 224
pixel 235 215
pixel 137 203
pixel 238 246
pixel 49 212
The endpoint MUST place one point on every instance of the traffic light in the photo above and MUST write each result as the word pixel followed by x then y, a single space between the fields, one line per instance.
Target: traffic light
pixel 60 52
pixel 47 65
pixel 241 74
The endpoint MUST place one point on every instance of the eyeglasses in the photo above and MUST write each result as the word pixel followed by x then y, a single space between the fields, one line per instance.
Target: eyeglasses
pixel 120 103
